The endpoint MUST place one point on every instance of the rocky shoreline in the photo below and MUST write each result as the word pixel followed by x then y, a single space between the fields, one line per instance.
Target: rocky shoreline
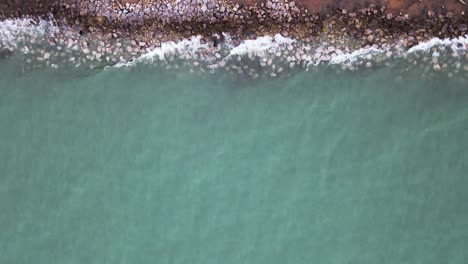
pixel 101 33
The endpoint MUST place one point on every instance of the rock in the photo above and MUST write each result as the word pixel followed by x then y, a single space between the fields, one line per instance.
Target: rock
pixel 449 15
pixel 444 28
pixel 222 63
pixel 436 67
pixel 389 16
pixel 462 27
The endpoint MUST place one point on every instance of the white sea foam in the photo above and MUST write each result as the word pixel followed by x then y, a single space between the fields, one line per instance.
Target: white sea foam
pixel 259 45
pixel 186 46
pixel 355 55
pixel 456 44
pixel 256 46
pixel 13 31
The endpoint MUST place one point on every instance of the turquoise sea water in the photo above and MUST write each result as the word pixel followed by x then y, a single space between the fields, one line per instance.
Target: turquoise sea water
pixel 144 166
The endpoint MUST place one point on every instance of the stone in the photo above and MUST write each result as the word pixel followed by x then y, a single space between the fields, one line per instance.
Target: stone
pixel 462 27
pixel 436 67
pixel 444 28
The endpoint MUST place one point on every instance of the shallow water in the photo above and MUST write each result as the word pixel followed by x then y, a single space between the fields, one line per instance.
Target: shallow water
pixel 144 166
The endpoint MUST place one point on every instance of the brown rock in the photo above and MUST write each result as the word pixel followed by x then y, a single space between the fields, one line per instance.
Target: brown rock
pixel 462 27
pixel 129 1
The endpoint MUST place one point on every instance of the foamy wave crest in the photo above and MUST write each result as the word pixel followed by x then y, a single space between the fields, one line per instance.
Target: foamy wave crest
pixel 355 55
pixel 186 46
pixel 13 31
pixel 190 46
pixel 259 45
pixel 456 44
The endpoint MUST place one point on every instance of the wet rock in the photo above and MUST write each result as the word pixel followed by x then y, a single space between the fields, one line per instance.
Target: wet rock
pixel 462 27
pixel 4 54
pixel 444 28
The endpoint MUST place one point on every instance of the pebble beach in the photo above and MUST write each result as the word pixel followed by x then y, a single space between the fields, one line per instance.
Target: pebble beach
pixel 233 131
pixel 269 39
